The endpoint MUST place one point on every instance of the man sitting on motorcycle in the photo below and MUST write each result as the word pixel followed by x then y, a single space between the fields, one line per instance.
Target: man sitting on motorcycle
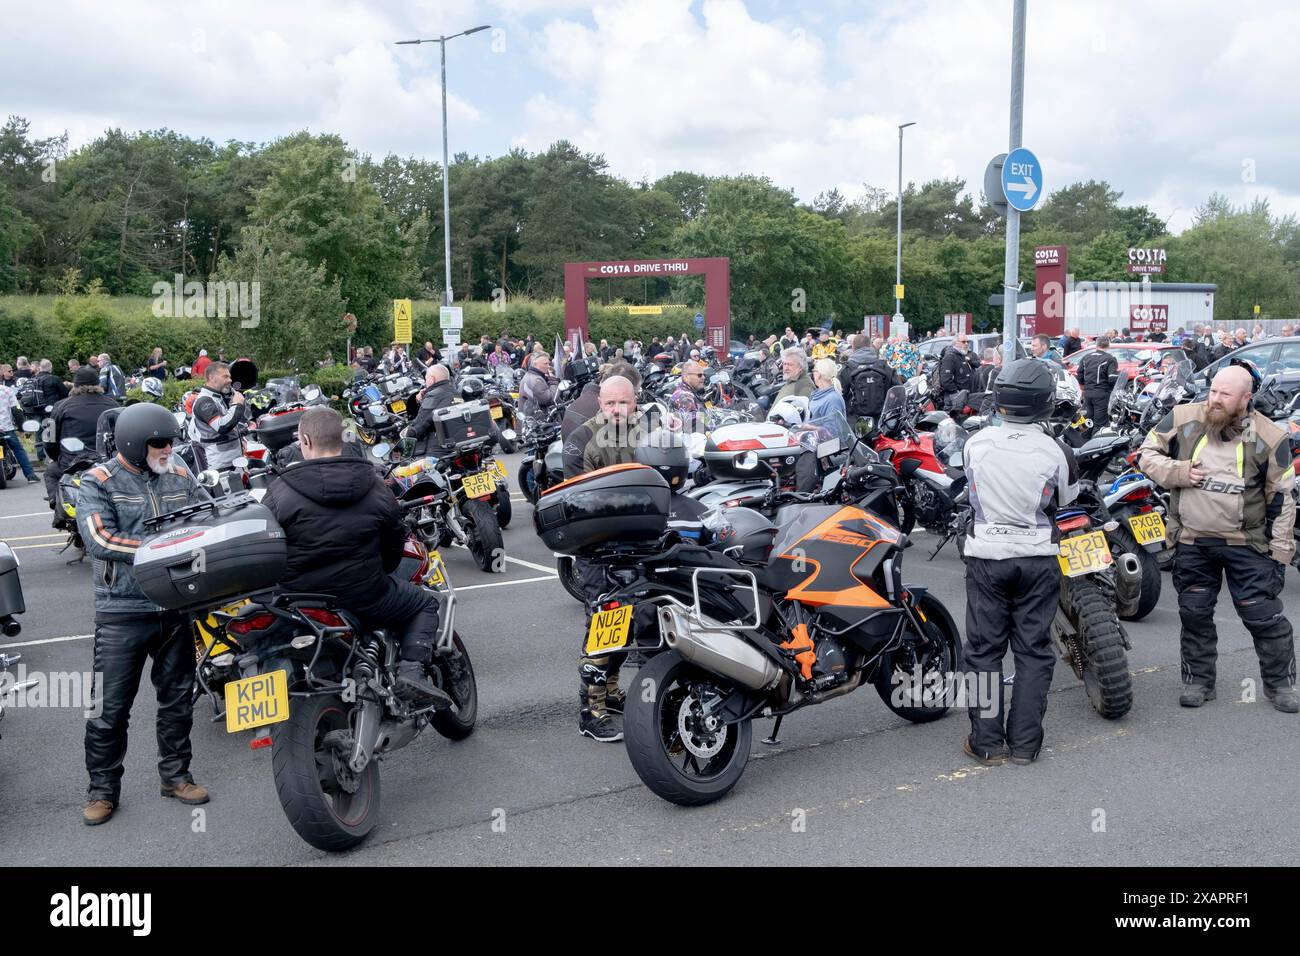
pixel 217 419
pixel 687 399
pixel 345 537
pixel 74 417
pixel 437 394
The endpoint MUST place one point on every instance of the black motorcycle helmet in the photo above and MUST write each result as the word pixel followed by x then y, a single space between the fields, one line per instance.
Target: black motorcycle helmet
pixel 138 424
pixel 472 388
pixel 1024 391
pixel 665 451
pixel 1256 379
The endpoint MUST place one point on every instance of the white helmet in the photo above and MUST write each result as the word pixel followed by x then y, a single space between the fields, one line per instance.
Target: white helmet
pixel 790 412
pixel 151 386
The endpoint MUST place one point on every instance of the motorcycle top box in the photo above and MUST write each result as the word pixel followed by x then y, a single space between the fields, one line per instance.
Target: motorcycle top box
pixel 462 422
pixel 278 431
pixel 769 442
pixel 623 503
pixel 203 559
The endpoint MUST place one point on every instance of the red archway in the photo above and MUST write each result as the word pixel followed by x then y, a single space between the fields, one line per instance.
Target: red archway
pixel 717 291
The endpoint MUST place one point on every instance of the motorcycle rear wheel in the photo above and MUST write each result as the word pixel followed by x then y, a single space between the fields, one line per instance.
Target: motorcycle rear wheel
pixel 485 541
pixel 505 508
pixel 329 810
pixel 676 768
pixel 1151 584
pixel 1101 644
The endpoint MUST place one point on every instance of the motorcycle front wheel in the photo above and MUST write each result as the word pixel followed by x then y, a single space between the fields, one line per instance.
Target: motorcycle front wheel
pixel 455 674
pixel 329 805
pixel 917 681
pixel 681 755
pixel 528 482
pixel 571 579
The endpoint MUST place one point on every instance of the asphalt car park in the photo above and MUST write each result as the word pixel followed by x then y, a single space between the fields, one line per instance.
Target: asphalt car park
pixel 848 782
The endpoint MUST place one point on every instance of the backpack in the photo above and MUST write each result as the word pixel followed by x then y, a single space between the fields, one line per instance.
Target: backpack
pixel 868 383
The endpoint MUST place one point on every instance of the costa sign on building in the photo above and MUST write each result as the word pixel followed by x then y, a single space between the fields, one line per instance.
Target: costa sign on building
pixel 1050 282
pixel 1147 262
pixel 1148 318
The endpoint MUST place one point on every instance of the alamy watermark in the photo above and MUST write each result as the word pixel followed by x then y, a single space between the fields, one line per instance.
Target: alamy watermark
pixel 22 688
pixel 209 300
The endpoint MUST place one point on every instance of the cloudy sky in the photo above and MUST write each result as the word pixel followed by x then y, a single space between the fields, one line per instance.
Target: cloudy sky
pixel 1169 100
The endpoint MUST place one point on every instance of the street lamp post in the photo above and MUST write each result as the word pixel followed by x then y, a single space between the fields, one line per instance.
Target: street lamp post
pixel 898 255
pixel 446 166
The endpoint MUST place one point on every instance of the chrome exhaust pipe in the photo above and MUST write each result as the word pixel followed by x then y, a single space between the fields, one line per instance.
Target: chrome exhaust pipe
pixel 714 648
pixel 1128 582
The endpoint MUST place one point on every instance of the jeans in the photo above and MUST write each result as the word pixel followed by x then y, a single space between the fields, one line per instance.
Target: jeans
pixel 11 439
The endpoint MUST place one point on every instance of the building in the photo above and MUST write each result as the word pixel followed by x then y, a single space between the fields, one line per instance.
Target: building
pixel 1140 307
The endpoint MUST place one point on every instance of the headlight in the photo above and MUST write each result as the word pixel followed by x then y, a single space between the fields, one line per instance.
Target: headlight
pixel 376 410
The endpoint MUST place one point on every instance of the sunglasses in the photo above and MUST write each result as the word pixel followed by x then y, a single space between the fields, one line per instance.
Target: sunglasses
pixel 159 443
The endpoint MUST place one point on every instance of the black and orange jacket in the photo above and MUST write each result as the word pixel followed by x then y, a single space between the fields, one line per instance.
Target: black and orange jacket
pixel 114 501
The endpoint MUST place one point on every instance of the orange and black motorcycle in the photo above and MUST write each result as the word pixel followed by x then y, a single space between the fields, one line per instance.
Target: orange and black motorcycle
pixel 745 616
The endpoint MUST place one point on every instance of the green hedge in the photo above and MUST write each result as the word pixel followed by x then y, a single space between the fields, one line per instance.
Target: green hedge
pixel 60 328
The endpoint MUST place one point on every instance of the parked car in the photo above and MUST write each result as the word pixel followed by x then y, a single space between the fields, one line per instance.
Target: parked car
pixel 1130 356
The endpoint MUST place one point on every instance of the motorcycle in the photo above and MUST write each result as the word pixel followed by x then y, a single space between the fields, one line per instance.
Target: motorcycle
pixel 468 497
pixel 791 613
pixel 929 464
pixel 318 688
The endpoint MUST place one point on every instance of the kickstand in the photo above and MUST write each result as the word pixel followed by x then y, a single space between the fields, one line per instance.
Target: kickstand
pixel 772 740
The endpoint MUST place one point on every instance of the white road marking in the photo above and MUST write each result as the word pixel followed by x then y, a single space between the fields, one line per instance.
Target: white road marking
pixel 498 584
pixel 38 537
pixel 33 514
pixel 26 547
pixel 530 564
pixel 48 640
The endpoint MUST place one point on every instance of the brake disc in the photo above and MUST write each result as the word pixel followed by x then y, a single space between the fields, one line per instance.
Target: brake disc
pixel 702 736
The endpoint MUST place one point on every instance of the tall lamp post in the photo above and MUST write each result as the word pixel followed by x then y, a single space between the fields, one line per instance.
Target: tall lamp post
pixel 446 167
pixel 898 255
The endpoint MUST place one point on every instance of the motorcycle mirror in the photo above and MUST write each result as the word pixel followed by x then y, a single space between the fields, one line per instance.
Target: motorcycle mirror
pixel 72 444
pixel 209 478
pixel 408 445
pixel 381 450
pixel 31 425
pixel 311 393
pixel 864 426
pixel 49 408
pixel 241 462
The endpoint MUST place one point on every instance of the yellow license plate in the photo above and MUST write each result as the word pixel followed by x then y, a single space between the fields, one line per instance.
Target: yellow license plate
pixel 609 630
pixel 1148 528
pixel 1084 554
pixel 497 412
pixel 479 485
pixel 436 578
pixel 399 407
pixel 257 701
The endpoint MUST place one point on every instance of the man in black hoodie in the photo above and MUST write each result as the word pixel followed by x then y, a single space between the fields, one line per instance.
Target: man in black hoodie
pixel 345 537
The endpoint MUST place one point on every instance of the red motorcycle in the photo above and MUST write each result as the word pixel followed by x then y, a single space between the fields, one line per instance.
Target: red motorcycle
pixel 929 464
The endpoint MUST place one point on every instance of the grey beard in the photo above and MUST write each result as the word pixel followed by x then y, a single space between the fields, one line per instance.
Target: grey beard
pixel 157 469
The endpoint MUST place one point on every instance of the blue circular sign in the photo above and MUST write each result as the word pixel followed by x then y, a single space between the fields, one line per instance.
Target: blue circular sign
pixel 1022 180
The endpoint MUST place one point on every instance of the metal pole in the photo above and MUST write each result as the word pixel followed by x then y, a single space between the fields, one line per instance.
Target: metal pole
pixel 1011 270
pixel 446 176
pixel 898 251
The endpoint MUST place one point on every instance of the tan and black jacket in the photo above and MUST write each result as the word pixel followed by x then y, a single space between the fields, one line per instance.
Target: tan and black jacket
pixel 1245 497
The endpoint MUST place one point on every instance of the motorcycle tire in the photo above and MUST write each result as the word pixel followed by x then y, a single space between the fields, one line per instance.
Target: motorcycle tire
pixel 906 512
pixel 505 508
pixel 320 809
pixel 946 661
pixel 485 541
pixel 10 467
pixel 571 580
pixel 653 741
pixel 1149 596
pixel 455 675
pixel 1101 643
pixel 528 482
